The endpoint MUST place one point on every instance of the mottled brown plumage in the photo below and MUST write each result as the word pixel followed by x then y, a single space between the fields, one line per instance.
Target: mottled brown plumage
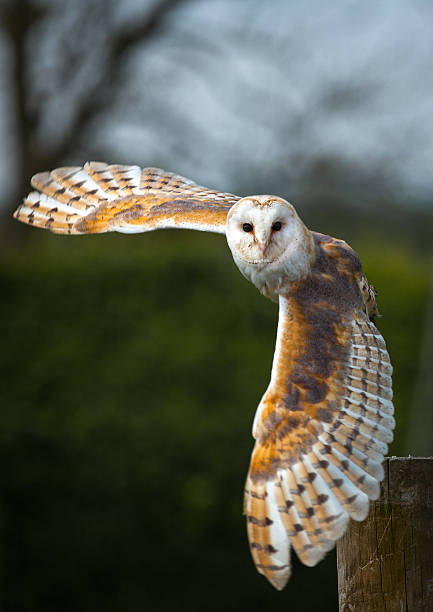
pixel 323 425
pixel 328 404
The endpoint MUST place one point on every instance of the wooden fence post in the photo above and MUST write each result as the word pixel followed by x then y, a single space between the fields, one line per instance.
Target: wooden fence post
pixel 385 564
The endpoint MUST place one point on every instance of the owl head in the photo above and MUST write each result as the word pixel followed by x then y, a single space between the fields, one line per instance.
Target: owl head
pixel 269 242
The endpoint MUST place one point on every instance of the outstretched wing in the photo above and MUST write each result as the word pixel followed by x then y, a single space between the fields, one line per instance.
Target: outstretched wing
pixel 323 425
pixel 104 198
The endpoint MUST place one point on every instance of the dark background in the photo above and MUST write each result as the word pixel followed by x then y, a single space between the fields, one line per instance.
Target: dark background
pixel 131 366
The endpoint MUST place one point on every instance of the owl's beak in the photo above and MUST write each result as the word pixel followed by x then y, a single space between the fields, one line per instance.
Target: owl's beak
pixel 263 239
pixel 264 246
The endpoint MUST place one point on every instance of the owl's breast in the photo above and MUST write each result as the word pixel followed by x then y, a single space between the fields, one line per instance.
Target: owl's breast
pixel 269 278
pixel 273 277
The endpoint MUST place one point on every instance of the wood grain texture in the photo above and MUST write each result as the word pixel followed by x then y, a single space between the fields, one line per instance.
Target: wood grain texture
pixel 386 563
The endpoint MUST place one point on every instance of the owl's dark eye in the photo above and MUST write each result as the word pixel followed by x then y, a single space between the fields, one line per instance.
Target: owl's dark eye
pixel 277 226
pixel 247 227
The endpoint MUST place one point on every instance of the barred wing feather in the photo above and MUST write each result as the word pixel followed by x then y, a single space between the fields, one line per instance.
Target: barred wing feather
pixel 321 429
pixel 102 198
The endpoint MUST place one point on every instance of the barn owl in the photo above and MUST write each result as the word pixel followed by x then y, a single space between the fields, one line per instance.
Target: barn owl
pixel 323 424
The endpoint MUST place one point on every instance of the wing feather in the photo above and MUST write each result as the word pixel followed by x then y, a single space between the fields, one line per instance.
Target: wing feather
pixel 323 426
pixel 103 198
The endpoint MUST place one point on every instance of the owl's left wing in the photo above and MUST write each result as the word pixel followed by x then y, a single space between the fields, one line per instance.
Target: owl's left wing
pixel 321 431
pixel 103 198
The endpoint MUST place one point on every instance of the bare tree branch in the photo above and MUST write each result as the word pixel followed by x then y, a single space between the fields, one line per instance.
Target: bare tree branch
pixel 99 97
pixel 18 19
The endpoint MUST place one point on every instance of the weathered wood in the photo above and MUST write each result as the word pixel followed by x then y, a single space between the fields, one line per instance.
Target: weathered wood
pixel 385 564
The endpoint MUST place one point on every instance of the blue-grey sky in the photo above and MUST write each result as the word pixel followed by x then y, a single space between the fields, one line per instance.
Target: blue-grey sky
pixel 230 91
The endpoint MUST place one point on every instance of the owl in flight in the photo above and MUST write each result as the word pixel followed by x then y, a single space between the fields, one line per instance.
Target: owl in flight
pixel 322 427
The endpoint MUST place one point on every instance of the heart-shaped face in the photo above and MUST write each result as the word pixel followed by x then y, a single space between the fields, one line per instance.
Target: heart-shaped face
pixel 268 241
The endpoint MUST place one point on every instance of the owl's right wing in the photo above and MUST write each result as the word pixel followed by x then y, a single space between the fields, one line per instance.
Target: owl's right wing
pixel 104 198
pixel 321 431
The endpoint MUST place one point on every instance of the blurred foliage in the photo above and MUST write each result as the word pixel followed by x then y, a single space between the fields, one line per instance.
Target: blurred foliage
pixel 131 369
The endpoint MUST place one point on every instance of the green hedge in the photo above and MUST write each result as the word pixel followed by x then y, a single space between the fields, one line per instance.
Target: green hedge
pixel 131 369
